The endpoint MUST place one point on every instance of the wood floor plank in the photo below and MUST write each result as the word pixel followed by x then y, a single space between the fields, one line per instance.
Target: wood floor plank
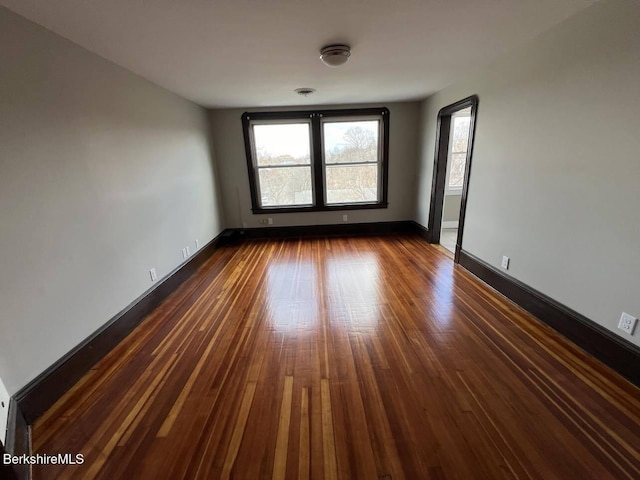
pixel 305 440
pixel 328 438
pixel 343 358
pixel 282 440
pixel 239 430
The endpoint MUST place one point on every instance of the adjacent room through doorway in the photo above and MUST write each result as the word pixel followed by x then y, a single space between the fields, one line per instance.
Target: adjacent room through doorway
pixel 456 162
pixel 451 172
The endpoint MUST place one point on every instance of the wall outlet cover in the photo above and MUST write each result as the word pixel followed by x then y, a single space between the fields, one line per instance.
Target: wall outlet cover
pixel 505 262
pixel 627 323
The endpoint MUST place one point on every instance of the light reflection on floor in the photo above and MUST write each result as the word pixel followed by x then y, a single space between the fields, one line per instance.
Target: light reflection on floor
pixel 349 288
pixel 291 295
pixel 352 285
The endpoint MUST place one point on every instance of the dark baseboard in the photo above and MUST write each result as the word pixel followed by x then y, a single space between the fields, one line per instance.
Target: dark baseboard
pixel 18 442
pixel 42 392
pixel 422 231
pixel 347 229
pixel 621 356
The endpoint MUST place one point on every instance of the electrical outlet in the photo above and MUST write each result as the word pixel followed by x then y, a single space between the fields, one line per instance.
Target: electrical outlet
pixel 188 251
pixel 345 218
pixel 184 253
pixel 627 323
pixel 4 412
pixel 505 263
pixel 270 221
pixel 197 244
pixel 153 275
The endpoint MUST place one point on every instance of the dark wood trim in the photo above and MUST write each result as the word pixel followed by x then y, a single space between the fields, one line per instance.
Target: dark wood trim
pixel 18 440
pixel 441 154
pixel 6 471
pixel 473 103
pixel 611 350
pixel 443 130
pixel 299 114
pixel 253 188
pixel 317 164
pixel 385 157
pixel 422 231
pixel 459 105
pixel 42 392
pixel 329 208
pixel 347 229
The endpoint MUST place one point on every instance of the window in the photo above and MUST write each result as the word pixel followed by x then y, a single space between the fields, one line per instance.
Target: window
pixel 459 141
pixel 283 164
pixel 351 161
pixel 317 160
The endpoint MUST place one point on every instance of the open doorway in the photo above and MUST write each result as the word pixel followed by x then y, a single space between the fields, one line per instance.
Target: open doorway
pixel 456 163
pixel 454 147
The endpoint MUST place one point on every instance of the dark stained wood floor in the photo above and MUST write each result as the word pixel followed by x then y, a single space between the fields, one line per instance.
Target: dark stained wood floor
pixel 358 358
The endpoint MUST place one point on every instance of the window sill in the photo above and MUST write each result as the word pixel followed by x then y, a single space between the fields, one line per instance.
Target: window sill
pixel 325 208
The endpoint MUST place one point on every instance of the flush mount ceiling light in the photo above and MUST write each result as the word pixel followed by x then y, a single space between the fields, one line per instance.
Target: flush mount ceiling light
pixel 335 55
pixel 305 91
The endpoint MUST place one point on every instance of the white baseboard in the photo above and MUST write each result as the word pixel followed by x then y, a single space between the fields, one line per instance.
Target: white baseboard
pixel 450 224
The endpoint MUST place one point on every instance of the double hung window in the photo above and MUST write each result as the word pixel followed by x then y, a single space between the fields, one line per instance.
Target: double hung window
pixel 317 160
pixel 459 143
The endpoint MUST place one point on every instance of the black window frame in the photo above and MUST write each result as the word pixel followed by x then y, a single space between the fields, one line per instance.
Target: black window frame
pixel 316 118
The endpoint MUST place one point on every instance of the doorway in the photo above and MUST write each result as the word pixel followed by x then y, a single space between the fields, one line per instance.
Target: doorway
pixel 451 172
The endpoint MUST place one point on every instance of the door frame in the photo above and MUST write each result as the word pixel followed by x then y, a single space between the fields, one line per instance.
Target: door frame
pixel 441 156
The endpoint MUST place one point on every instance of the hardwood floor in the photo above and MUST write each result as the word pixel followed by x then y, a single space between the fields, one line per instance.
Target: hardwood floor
pixel 448 238
pixel 357 358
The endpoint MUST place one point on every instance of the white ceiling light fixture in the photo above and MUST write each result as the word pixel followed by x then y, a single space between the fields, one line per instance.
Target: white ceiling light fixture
pixel 335 55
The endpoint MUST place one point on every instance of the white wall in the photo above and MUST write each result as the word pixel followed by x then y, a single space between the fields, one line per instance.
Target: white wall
pixel 451 209
pixel 555 178
pixel 103 175
pixel 234 179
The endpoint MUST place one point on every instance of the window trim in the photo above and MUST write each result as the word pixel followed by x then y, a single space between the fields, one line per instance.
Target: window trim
pixel 316 118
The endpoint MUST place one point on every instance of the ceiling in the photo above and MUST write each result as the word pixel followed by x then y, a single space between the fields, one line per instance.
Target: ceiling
pixel 250 53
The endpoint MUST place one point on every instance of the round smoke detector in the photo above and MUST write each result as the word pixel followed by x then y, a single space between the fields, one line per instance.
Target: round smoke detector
pixel 335 55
